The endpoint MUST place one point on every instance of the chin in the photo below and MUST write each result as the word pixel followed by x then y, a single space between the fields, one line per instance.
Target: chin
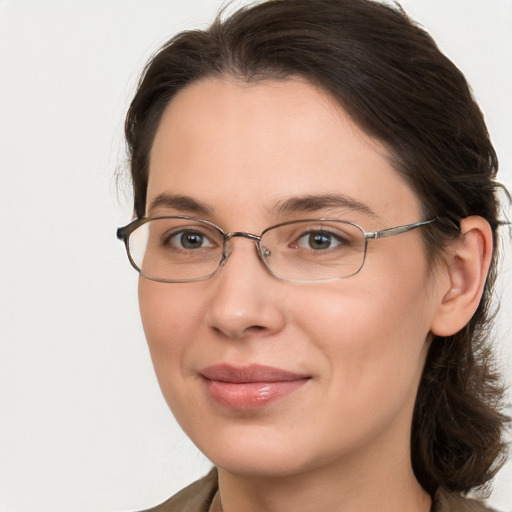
pixel 252 452
pixel 264 464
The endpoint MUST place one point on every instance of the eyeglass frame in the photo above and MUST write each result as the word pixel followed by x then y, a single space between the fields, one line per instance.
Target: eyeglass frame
pixel 123 234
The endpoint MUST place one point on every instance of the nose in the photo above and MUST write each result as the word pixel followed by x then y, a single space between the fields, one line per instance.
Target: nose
pixel 246 300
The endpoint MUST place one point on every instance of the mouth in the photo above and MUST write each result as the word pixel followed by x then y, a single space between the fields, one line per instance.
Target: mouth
pixel 249 387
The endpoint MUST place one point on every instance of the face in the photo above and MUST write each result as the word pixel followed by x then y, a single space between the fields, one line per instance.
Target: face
pixel 269 377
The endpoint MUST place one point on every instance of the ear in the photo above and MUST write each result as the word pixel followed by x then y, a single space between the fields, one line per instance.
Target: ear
pixel 465 272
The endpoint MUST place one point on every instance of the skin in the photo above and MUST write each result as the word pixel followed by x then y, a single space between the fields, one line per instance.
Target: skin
pixel 341 441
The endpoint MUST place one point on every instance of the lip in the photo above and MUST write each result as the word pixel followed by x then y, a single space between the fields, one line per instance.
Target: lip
pixel 249 387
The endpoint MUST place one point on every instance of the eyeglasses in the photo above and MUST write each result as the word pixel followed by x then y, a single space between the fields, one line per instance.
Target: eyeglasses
pixel 184 249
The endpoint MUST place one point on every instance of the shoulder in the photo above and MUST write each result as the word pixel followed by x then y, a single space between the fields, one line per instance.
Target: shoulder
pixel 196 497
pixel 445 501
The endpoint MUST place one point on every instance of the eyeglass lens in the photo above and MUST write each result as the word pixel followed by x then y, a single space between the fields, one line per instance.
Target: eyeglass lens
pixel 174 249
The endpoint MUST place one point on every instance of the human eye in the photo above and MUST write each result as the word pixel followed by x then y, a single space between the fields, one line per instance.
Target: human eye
pixel 188 240
pixel 322 237
pixel 320 240
pixel 325 241
pixel 179 237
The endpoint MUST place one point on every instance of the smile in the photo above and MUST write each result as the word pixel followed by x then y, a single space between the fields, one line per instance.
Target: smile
pixel 249 387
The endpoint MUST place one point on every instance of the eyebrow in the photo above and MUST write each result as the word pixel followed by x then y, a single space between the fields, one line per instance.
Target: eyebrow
pixel 179 202
pixel 293 205
pixel 313 203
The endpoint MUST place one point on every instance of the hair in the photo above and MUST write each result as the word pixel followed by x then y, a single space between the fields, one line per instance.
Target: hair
pixel 394 82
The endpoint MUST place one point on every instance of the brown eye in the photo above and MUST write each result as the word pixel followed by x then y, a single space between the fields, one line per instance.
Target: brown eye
pixel 189 240
pixel 318 241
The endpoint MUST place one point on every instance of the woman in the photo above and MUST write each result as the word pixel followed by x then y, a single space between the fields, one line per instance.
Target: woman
pixel 316 235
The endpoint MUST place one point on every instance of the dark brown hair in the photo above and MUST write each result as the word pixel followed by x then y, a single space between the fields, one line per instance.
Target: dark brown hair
pixel 389 75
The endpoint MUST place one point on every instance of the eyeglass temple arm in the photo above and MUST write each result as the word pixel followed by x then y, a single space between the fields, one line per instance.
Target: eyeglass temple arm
pixel 397 230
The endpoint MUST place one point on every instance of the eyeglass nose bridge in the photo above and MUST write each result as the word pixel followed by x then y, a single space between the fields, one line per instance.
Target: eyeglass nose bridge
pixel 261 251
pixel 242 234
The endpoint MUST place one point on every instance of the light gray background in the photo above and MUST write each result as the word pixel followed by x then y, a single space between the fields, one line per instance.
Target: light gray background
pixel 83 427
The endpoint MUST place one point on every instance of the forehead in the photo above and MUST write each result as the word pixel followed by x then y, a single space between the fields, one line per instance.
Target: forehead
pixel 255 145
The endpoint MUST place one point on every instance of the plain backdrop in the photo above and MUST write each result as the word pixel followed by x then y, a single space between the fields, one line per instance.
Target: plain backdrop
pixel 83 426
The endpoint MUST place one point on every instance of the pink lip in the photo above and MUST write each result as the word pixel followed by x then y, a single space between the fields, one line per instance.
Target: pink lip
pixel 250 387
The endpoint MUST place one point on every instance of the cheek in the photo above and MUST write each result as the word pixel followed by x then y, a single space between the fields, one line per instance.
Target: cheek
pixel 372 335
pixel 397 303
pixel 169 316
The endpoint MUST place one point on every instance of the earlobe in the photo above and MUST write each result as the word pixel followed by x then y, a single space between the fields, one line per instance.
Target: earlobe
pixel 466 273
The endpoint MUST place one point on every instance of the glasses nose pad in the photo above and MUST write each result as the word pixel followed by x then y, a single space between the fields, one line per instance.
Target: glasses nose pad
pixel 228 247
pixel 264 251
